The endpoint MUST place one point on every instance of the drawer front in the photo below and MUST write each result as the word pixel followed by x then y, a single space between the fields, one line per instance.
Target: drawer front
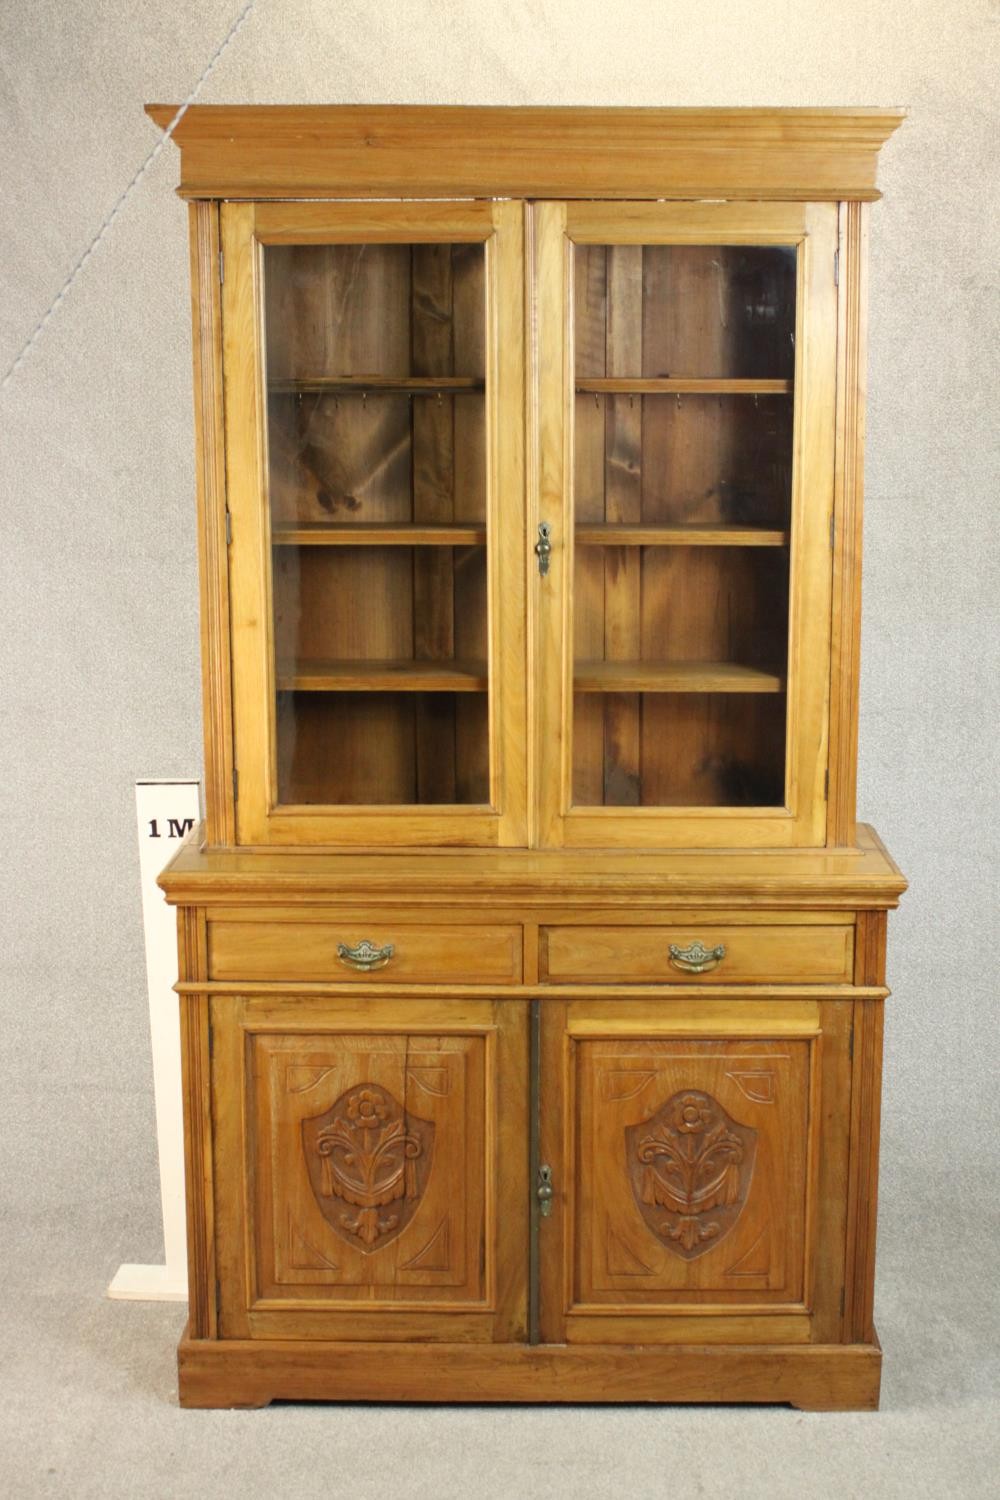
pixel 697 955
pixel 367 952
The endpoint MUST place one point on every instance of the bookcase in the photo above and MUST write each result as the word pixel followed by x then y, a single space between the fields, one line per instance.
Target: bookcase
pixel 532 961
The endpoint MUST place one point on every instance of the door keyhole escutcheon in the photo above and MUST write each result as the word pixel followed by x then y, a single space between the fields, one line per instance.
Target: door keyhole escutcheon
pixel 544 1192
pixel 543 547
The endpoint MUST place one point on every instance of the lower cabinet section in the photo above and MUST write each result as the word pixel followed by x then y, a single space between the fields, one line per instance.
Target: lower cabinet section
pixel 368 1194
pixel 370 1168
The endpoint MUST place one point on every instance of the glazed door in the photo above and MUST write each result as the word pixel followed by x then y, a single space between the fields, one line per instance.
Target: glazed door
pixel 371 1168
pixel 698 1156
pixel 373 366
pixel 686 361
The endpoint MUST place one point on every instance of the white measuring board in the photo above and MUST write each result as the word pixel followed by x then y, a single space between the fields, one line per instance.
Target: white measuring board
pixel 166 811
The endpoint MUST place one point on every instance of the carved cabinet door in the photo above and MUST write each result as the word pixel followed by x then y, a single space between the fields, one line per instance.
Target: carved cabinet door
pixel 367 1182
pixel 699 1161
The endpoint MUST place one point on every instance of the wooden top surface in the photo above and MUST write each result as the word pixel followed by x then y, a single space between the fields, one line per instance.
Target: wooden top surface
pixel 836 878
pixel 413 151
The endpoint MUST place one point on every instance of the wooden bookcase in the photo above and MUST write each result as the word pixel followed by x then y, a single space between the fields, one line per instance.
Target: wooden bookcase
pixel 531 959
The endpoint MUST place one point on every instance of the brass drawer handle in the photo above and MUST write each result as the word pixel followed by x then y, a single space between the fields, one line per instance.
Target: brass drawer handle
pixel 365 955
pixel 696 958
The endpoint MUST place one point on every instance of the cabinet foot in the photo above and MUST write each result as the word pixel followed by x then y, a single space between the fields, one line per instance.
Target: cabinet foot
pixel 202 1398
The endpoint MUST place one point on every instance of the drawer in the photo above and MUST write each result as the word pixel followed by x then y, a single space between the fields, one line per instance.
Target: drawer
pixel 643 955
pixel 312 950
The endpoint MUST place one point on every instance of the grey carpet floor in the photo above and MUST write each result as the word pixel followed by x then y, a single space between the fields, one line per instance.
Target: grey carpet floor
pixel 89 1405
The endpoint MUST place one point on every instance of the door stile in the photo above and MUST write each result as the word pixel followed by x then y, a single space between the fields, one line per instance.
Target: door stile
pixel 534 1171
pixel 555 1146
pixel 505 500
pixel 246 467
pixel 549 504
pixel 811 579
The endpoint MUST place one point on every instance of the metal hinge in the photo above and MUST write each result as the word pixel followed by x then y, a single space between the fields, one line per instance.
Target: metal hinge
pixel 833 529
pixel 229 527
pixel 836 267
pixel 843 1299
pixel 211 1042
pixel 826 784
pixel 222 268
pixel 236 785
pixel 850 1044
pixel 218 1303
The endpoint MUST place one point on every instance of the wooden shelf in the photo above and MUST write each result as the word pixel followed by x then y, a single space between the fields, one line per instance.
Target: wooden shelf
pixel 378 534
pixel 681 385
pixel 673 677
pixel 383 677
pixel 373 385
pixel 709 534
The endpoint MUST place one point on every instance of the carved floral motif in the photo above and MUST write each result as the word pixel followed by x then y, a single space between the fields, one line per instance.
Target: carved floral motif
pixel 368 1162
pixel 693 1160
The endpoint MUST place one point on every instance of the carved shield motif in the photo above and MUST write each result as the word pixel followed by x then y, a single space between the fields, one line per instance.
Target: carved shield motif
pixel 368 1162
pixel 690 1167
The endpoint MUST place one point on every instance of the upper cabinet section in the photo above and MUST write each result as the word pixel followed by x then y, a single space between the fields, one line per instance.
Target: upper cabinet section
pixel 530 498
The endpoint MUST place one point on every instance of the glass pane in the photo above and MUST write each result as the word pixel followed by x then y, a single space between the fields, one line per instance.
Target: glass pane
pixel 377 489
pixel 683 416
pixel 685 310
pixel 684 459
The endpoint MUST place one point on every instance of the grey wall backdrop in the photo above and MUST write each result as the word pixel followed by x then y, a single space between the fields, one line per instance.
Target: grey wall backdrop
pixel 101 686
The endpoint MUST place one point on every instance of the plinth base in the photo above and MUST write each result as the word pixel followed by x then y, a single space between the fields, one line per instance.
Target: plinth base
pixel 812 1377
